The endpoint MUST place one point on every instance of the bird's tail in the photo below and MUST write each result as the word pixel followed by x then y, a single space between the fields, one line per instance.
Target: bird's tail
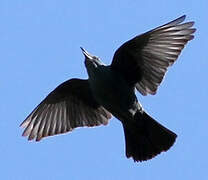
pixel 145 138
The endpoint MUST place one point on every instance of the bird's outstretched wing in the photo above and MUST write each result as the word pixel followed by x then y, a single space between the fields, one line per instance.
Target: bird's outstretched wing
pixel 143 60
pixel 69 106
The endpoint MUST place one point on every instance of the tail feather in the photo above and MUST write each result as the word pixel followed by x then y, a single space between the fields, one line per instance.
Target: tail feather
pixel 146 138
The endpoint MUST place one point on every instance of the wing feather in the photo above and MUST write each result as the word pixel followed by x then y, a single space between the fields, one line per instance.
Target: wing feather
pixel 144 60
pixel 69 106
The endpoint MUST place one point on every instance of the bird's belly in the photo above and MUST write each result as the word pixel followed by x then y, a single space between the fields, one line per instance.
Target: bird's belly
pixel 112 92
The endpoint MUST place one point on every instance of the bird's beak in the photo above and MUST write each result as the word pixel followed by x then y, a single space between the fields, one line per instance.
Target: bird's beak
pixel 86 54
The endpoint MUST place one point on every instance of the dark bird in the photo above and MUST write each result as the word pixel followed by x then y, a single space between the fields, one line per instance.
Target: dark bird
pixel 139 64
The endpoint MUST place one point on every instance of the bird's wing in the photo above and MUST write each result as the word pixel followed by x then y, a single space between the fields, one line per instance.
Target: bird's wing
pixel 143 60
pixel 69 106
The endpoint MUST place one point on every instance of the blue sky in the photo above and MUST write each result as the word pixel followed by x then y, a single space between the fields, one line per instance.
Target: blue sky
pixel 40 42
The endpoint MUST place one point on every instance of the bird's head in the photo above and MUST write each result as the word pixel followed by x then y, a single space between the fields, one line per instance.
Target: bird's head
pixel 91 61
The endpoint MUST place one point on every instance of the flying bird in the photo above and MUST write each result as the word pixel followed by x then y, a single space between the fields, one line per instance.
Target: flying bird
pixel 139 64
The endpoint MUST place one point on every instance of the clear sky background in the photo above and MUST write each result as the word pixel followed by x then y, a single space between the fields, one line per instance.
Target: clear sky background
pixel 39 49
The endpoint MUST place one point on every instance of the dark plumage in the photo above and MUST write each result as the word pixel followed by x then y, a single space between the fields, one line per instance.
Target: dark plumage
pixel 141 64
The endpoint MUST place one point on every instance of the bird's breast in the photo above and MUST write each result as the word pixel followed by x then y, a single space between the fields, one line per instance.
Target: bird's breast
pixel 111 91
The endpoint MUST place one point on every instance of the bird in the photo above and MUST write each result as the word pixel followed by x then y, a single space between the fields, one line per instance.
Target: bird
pixel 139 64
